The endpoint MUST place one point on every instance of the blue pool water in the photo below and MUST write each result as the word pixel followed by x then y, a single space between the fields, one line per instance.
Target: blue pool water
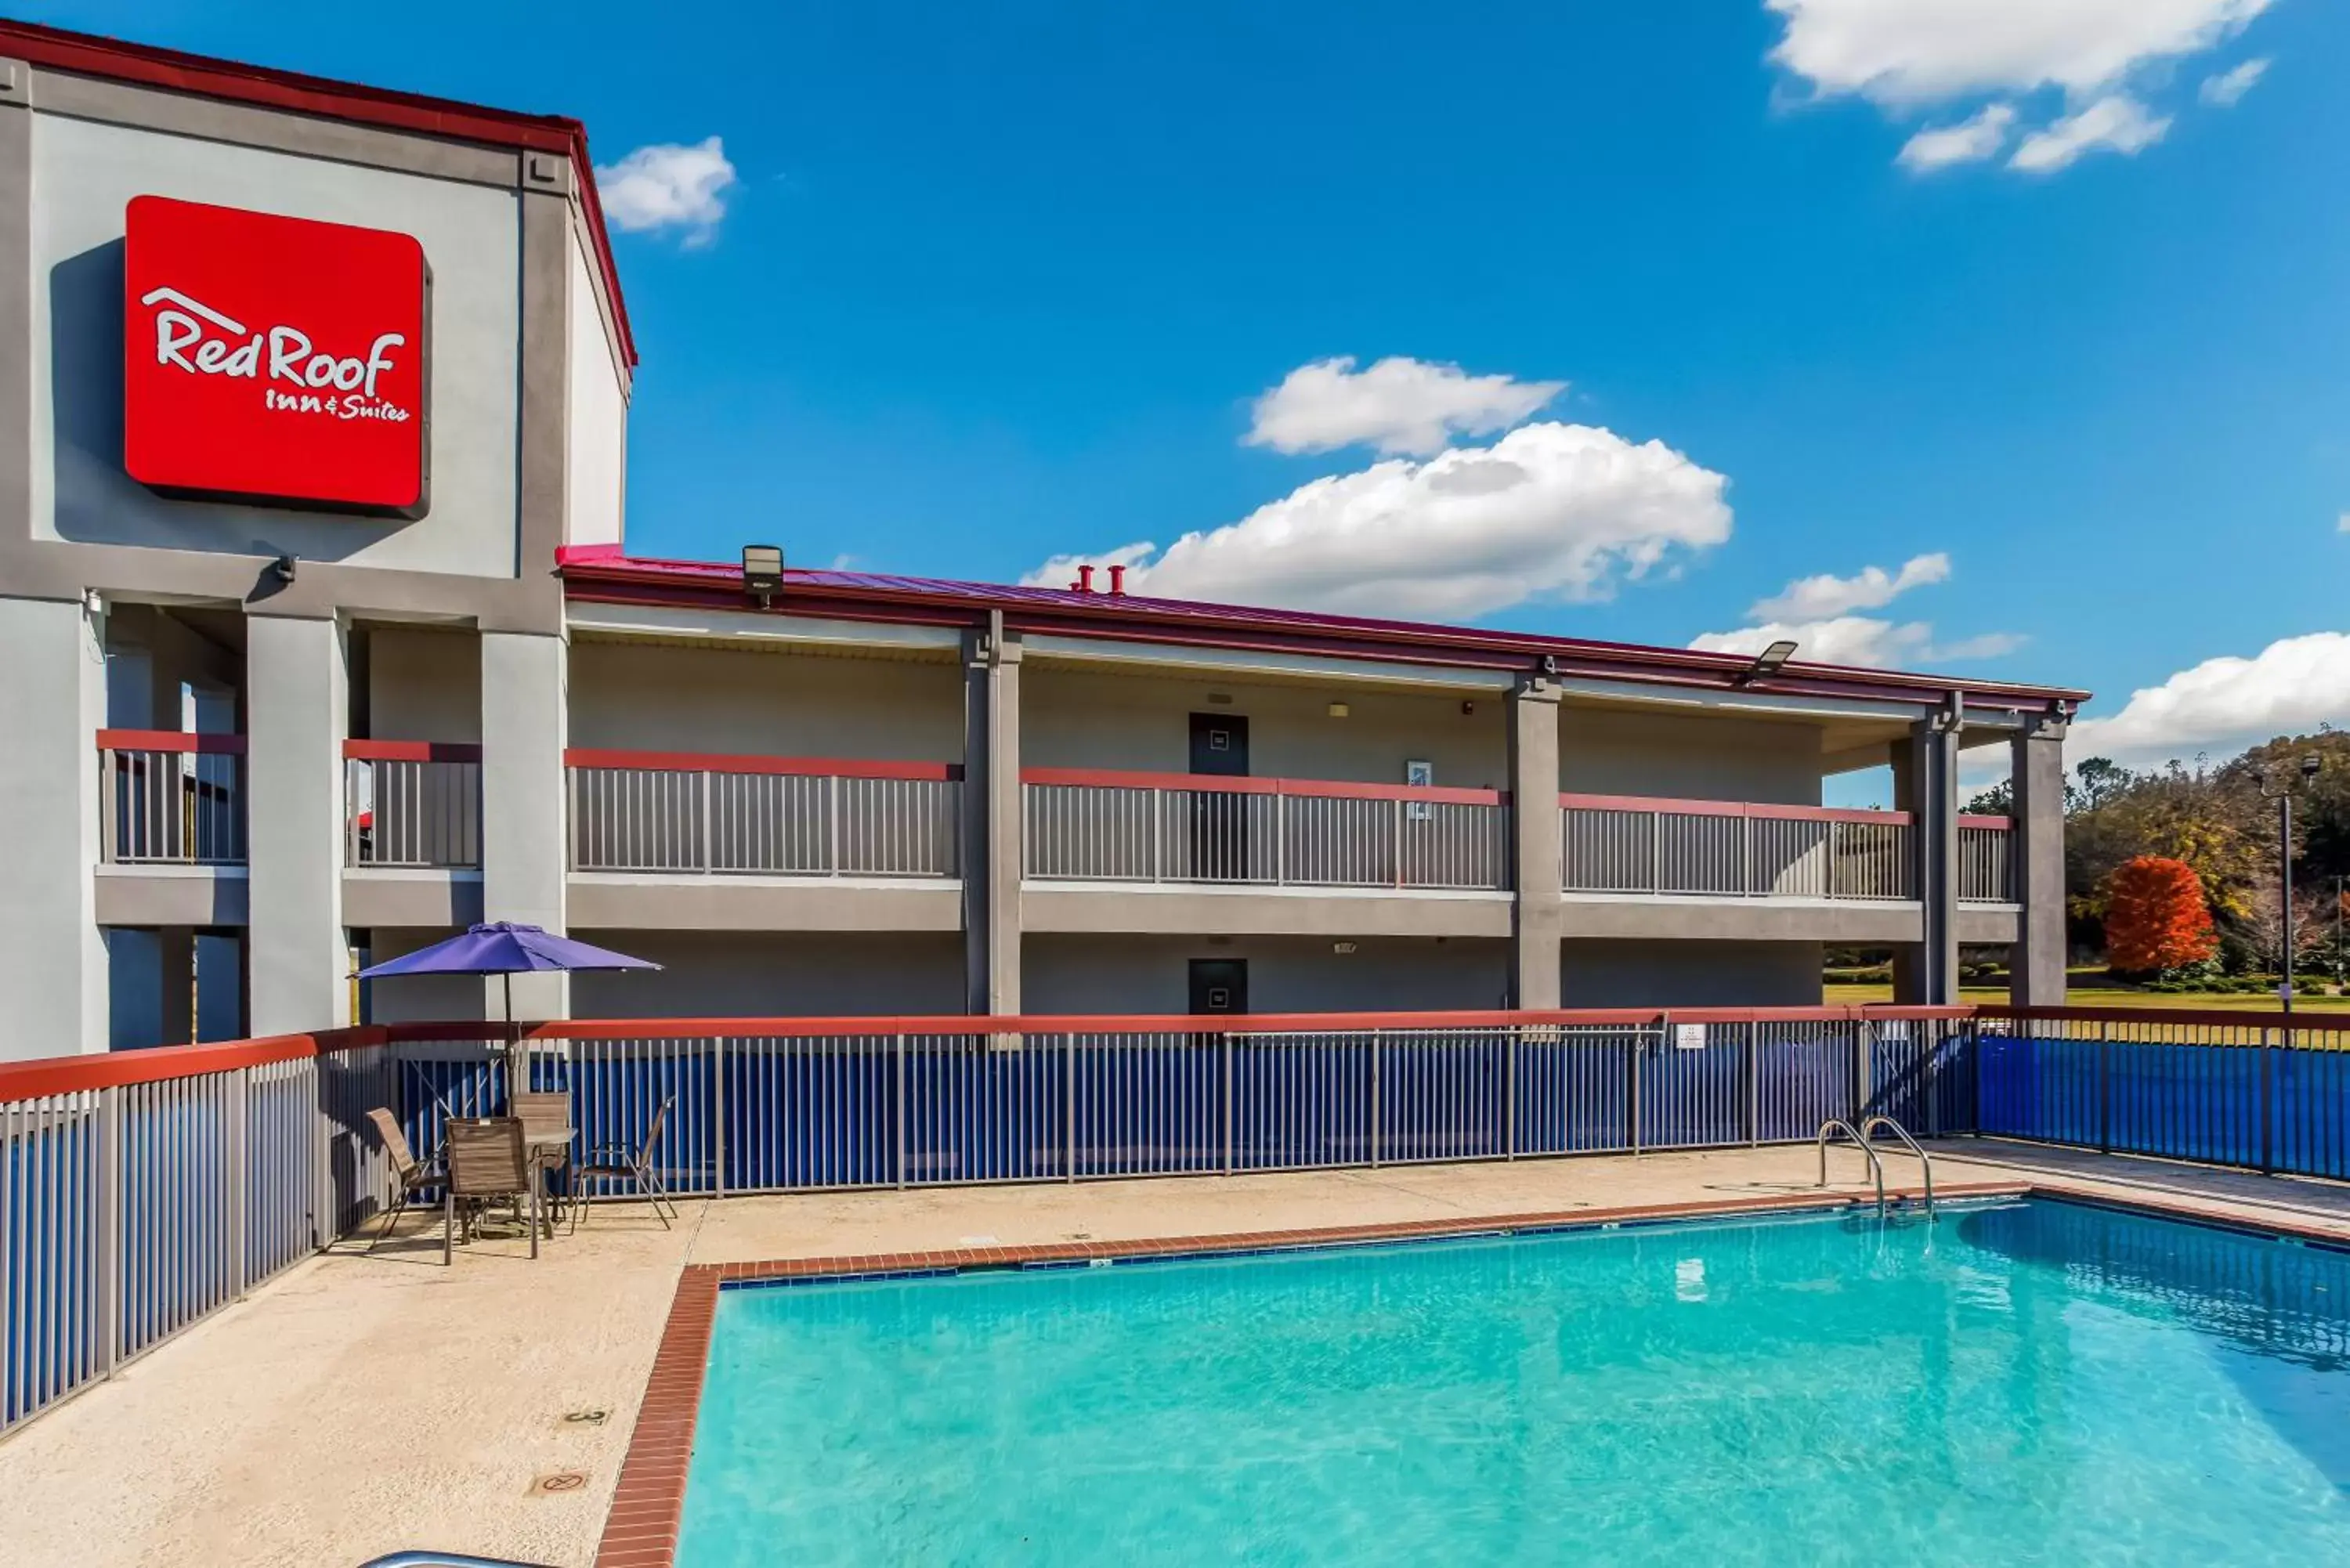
pixel 2033 1382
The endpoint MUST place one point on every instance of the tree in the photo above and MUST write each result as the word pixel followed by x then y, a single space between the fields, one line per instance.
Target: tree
pixel 2155 917
pixel 2262 923
pixel 1999 800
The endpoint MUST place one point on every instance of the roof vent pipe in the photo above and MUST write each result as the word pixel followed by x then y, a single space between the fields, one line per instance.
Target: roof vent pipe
pixel 1084 579
pixel 1117 579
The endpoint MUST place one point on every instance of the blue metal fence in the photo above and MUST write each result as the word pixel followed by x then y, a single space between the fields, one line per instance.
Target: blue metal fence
pixel 2252 1092
pixel 135 1206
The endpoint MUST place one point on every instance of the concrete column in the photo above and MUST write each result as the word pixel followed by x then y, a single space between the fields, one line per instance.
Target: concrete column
pixel 993 851
pixel 525 849
pixel 296 690
pixel 1540 910
pixel 53 966
pixel 2035 965
pixel 1926 785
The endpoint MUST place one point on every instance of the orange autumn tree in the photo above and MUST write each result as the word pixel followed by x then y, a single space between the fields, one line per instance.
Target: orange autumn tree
pixel 2155 917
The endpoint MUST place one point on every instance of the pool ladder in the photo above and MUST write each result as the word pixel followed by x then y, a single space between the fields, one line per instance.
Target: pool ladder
pixel 1860 1137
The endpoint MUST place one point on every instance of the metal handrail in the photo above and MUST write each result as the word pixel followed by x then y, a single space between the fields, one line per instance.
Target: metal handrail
pixel 1862 1144
pixel 1925 1163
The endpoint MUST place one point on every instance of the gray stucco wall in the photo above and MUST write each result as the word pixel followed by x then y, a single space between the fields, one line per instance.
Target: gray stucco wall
pixel 751 974
pixel 1602 974
pixel 596 435
pixel 650 696
pixel 84 173
pixel 1073 719
pixel 1111 974
pixel 53 972
pixel 1618 751
pixel 423 685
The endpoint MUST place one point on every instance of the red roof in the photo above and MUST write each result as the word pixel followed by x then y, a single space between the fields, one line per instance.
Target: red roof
pixel 54 48
pixel 615 579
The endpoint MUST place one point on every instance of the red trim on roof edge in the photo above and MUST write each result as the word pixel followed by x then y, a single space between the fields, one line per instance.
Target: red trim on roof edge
pixel 118 59
pixel 627 579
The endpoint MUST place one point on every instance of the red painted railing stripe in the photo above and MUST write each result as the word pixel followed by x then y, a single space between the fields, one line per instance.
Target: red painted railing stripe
pixel 68 1075
pixel 169 741
pixel 722 763
pixel 412 752
pixel 1730 808
pixel 1219 783
pixel 1997 824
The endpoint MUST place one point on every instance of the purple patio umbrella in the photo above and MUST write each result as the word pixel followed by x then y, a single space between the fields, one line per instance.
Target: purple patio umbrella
pixel 504 948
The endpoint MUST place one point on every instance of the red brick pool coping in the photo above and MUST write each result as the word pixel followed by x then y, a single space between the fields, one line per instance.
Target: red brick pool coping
pixel 642 1529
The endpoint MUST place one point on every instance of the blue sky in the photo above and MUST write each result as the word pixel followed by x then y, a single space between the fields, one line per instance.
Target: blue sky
pixel 965 288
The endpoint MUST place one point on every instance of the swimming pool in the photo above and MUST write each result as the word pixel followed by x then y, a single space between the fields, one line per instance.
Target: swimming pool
pixel 2023 1382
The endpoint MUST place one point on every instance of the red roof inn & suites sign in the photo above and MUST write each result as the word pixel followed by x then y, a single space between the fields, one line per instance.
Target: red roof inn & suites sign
pixel 273 360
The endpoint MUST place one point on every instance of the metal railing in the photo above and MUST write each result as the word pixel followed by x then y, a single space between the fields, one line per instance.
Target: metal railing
pixel 1985 872
pixel 141 1191
pixel 1089 826
pixel 1631 844
pixel 774 817
pixel 412 804
pixel 2255 1090
pixel 170 798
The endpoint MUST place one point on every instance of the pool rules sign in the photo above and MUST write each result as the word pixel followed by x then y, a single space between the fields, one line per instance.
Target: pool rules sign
pixel 273 360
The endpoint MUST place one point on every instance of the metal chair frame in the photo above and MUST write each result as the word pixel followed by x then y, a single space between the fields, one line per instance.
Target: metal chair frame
pixel 627 1165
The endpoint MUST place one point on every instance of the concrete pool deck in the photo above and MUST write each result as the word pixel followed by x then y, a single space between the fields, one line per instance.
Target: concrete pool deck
pixel 363 1404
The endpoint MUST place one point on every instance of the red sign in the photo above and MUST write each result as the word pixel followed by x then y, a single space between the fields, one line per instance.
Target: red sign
pixel 273 360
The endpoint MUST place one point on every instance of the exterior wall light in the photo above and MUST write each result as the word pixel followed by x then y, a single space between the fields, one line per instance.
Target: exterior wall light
pixel 1342 948
pixel 1339 709
pixel 1767 662
pixel 763 571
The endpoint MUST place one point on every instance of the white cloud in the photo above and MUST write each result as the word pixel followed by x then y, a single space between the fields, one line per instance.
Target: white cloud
pixel 1985 645
pixel 2225 89
pixel 2222 705
pixel 1400 406
pixel 2341 523
pixel 1549 511
pixel 1969 141
pixel 1859 639
pixel 668 186
pixel 1827 594
pixel 1909 56
pixel 1842 640
pixel 2116 123
pixel 1815 614
pixel 1906 53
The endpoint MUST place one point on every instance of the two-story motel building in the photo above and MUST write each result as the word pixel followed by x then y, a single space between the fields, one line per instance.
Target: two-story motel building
pixel 322 641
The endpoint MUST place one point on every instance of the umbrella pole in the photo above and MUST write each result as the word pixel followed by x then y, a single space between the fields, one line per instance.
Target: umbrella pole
pixel 517 1066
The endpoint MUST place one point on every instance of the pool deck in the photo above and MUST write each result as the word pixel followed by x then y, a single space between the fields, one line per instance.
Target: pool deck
pixel 363 1404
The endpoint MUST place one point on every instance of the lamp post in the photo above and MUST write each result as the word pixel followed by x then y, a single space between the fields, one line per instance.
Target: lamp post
pixel 2283 795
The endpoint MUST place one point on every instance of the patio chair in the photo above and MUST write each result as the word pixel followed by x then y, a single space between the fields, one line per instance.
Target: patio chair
pixel 410 1175
pixel 487 1161
pixel 617 1162
pixel 546 1114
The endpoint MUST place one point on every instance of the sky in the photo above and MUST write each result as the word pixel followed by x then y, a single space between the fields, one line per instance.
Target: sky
pixel 2005 338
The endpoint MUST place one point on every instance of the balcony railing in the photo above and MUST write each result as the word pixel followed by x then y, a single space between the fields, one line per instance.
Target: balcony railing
pixel 412 804
pixel 764 817
pixel 1084 825
pixel 170 798
pixel 1985 873
pixel 1633 843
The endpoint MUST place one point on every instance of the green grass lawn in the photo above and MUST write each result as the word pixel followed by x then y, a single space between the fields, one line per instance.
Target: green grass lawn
pixel 2094 987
